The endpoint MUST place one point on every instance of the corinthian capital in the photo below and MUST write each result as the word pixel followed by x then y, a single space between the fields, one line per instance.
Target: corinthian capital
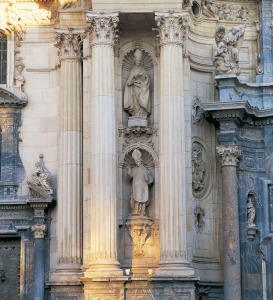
pixel 229 154
pixel 103 28
pixel 69 42
pixel 39 231
pixel 172 28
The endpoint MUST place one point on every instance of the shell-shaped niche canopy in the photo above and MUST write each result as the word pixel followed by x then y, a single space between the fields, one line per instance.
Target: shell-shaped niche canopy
pixel 147 159
pixel 146 61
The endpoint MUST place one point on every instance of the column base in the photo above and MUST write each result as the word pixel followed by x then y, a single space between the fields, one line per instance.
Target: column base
pixel 175 268
pixel 67 274
pixel 103 269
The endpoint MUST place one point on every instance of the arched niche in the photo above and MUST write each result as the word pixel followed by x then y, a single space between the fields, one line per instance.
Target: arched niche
pixel 150 161
pixel 126 62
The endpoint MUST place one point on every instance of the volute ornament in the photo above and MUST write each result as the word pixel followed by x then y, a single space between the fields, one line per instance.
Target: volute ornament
pixel 226 59
pixel 172 28
pixel 103 28
pixel 69 43
pixel 39 231
pixel 229 154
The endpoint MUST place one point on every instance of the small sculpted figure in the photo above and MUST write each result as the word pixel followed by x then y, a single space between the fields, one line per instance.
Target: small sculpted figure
pixel 137 90
pixel 198 170
pixel 209 8
pixel 142 178
pixel 41 176
pixel 226 59
pixel 250 213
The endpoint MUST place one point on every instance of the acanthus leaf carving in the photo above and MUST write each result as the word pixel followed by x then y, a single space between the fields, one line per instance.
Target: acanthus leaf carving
pixel 39 231
pixel 172 28
pixel 103 30
pixel 229 154
pixel 69 43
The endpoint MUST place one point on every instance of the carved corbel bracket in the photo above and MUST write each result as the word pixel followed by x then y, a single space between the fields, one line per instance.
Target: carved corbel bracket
pixel 139 230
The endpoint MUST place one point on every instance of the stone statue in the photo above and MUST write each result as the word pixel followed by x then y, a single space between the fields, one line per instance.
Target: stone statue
pixel 229 43
pixel 142 178
pixel 41 176
pixel 137 92
pixel 250 213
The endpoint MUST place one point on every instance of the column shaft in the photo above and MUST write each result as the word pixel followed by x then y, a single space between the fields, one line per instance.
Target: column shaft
pixel 172 164
pixel 69 233
pixel 103 155
pixel 232 275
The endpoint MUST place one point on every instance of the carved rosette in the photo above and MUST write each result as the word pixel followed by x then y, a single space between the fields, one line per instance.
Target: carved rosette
pixel 69 43
pixel 103 28
pixel 229 154
pixel 172 28
pixel 39 231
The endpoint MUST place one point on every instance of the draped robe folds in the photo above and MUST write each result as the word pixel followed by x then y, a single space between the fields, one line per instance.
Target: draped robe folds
pixel 141 179
pixel 137 95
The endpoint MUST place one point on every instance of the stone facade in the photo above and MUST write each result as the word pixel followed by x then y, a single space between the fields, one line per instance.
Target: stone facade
pixel 155 121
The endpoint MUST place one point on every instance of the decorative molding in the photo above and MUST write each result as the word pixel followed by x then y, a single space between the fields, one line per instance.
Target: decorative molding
pixel 69 43
pixel 172 28
pixel 69 260
pixel 199 214
pixel 133 135
pixel 229 154
pixel 103 28
pixel 39 231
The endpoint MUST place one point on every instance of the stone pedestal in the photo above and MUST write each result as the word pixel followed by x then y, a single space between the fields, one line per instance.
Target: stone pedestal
pixel 102 248
pixel 69 228
pixel 172 31
pixel 229 155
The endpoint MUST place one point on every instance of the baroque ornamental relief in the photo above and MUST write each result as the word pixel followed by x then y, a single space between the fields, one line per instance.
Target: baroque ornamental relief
pixel 226 59
pixel 200 170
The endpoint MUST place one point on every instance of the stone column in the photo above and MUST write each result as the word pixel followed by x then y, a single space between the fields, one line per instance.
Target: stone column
pixel 172 31
pixel 229 155
pixel 102 252
pixel 69 228
pixel 39 231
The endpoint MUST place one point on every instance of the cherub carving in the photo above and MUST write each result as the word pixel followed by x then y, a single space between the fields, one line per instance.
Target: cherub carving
pixel 226 59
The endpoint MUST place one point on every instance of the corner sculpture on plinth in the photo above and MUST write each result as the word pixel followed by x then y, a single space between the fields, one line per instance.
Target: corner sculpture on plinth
pixel 226 59
pixel 137 99
pixel 138 222
pixel 40 178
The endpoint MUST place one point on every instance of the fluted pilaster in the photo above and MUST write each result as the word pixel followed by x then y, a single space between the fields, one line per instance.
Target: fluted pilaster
pixel 172 30
pixel 69 231
pixel 229 157
pixel 103 222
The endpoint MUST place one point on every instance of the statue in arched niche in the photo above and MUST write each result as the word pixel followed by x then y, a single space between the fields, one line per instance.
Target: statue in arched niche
pixel 137 93
pixel 142 178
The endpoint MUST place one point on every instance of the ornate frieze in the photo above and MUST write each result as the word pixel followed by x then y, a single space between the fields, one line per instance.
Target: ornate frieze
pixel 69 43
pixel 103 28
pixel 226 12
pixel 229 154
pixel 172 28
pixel 137 135
pixel 39 231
